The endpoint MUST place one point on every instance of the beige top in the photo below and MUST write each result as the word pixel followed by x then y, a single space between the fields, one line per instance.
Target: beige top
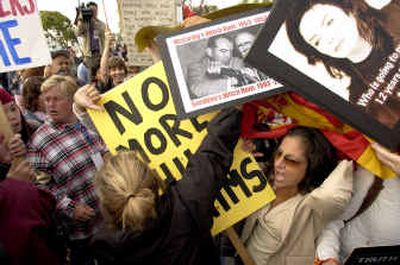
pixel 286 234
pixel 269 229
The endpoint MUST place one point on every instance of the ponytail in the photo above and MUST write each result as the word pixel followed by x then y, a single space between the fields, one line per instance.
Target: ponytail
pixel 128 192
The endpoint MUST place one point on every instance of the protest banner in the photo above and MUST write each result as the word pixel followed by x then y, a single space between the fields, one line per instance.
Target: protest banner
pixel 136 14
pixel 208 79
pixel 320 62
pixel 22 42
pixel 140 115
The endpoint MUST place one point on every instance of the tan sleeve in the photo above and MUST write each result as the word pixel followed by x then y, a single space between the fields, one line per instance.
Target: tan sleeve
pixel 331 198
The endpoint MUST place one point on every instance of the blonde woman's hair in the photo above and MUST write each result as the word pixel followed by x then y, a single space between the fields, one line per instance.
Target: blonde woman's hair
pixel 128 191
pixel 66 84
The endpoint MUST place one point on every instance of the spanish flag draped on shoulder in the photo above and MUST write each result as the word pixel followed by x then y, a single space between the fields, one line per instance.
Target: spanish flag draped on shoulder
pixel 287 110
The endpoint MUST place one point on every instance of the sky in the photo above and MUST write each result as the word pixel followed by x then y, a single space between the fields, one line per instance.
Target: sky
pixel 67 8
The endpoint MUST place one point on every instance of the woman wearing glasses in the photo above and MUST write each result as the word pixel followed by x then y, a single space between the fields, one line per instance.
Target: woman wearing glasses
pixel 284 231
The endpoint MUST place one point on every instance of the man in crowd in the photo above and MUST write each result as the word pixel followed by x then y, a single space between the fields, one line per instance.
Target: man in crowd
pixel 243 42
pixel 70 154
pixel 91 30
pixel 212 74
pixel 60 63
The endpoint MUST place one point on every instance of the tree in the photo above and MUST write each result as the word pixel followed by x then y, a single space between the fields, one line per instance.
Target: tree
pixel 58 29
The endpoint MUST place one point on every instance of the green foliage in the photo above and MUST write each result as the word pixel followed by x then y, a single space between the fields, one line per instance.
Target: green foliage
pixel 58 28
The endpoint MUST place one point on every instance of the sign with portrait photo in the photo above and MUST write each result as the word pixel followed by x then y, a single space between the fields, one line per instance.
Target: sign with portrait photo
pixel 342 55
pixel 205 67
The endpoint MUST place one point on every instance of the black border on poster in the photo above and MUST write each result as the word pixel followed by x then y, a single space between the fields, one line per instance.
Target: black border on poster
pixel 261 58
pixel 171 67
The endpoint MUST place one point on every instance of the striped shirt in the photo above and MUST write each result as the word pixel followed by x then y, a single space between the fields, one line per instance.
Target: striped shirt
pixel 64 152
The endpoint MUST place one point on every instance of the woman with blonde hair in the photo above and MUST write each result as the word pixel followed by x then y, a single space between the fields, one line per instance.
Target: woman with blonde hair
pixel 128 190
pixel 144 227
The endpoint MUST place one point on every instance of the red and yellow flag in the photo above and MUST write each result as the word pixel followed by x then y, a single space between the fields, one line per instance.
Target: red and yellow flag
pixel 284 111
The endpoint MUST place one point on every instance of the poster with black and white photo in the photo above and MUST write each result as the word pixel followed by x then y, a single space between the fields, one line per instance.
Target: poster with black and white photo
pixel 205 68
pixel 341 55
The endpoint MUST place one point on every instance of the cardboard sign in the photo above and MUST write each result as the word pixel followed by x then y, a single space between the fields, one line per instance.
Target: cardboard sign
pixel 22 42
pixel 205 66
pixel 136 14
pixel 140 115
pixel 337 66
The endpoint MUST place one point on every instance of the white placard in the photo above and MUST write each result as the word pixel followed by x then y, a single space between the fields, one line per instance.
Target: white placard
pixel 22 42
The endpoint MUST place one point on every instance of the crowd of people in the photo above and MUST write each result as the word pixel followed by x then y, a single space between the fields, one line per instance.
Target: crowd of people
pixel 65 200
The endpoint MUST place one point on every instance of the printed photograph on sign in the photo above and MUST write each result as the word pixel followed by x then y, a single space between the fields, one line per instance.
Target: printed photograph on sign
pixel 342 55
pixel 205 64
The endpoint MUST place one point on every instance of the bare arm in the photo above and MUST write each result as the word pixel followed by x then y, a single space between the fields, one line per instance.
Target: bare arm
pixel 84 98
pixel 106 55
pixel 331 198
pixel 388 158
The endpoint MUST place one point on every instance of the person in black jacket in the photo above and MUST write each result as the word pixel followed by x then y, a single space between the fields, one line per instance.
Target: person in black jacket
pixel 143 227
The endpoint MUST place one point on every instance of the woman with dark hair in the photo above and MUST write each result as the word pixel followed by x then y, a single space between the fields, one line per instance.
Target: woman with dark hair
pixel 354 39
pixel 285 230
pixel 21 130
pixel 34 112
pixel 27 229
pixel 112 71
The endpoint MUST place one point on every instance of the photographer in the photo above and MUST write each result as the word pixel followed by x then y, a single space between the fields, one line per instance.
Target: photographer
pixel 92 31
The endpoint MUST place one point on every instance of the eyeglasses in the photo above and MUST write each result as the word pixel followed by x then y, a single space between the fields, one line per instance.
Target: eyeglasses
pixel 287 159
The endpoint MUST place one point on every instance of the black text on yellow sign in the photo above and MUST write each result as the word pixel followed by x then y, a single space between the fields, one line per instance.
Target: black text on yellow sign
pixel 140 115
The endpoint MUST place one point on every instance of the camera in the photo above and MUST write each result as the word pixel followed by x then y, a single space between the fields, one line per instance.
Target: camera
pixel 85 11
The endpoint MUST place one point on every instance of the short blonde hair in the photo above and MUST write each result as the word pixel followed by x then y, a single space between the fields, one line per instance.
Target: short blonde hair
pixel 128 191
pixel 66 84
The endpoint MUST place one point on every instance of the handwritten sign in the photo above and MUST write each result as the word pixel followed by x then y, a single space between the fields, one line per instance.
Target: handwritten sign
pixel 140 115
pixel 22 43
pixel 136 14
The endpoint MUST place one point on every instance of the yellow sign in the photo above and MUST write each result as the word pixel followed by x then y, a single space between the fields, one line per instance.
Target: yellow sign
pixel 140 115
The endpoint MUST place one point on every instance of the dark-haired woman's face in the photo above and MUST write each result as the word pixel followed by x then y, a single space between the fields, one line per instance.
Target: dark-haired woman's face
pixel 329 30
pixel 14 116
pixel 290 163
pixel 117 75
